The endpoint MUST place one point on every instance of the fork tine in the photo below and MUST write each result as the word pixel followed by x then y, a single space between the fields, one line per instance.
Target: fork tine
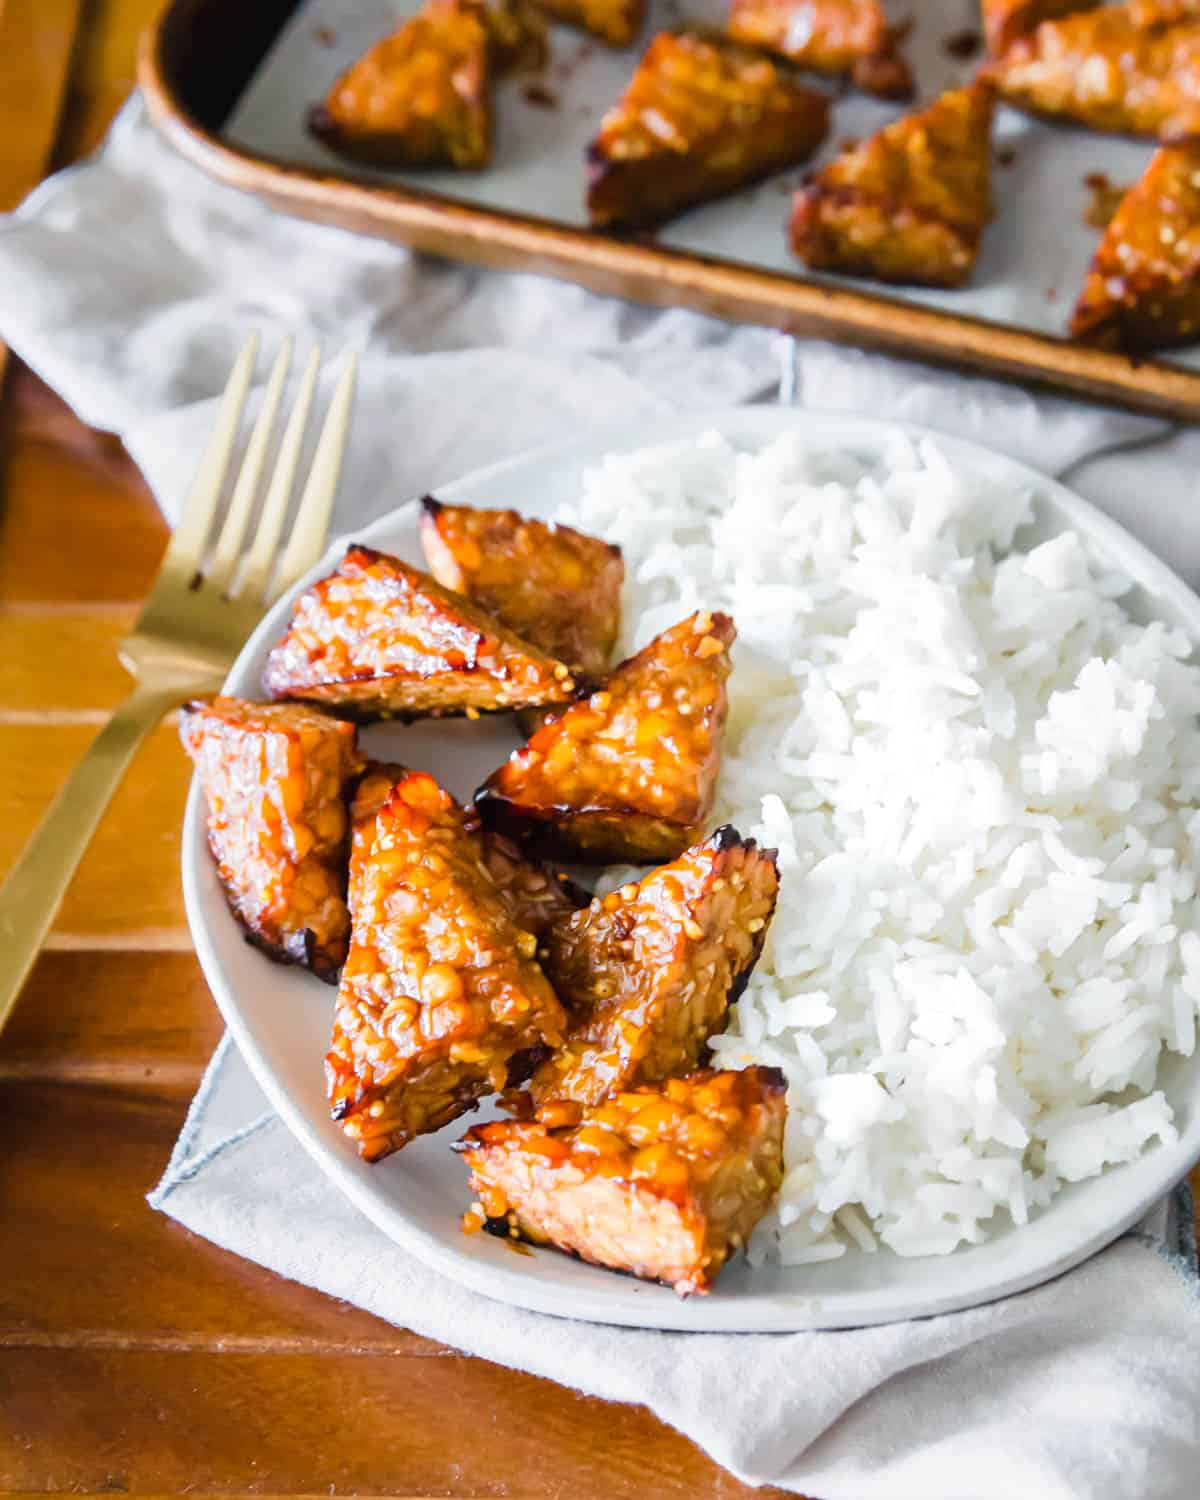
pixel 229 543
pixel 189 537
pixel 270 522
pixel 311 528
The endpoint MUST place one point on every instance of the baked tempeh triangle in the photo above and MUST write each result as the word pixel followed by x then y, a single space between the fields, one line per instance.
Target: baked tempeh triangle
pixel 275 777
pixel 380 639
pixel 441 987
pixel 908 205
pixel 666 1181
pixel 420 97
pixel 1132 69
pixel 847 38
pixel 557 588
pixel 701 118
pixel 628 773
pixel 1143 289
pixel 648 973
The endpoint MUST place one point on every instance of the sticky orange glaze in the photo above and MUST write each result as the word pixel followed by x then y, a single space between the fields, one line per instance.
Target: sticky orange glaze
pixel 378 638
pixel 440 988
pixel 1143 289
pixel 664 1181
pixel 700 118
pixel 275 778
pixel 557 588
pixel 628 773
pixel 648 972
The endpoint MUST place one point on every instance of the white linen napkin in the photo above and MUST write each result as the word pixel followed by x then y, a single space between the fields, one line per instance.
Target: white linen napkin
pixel 128 284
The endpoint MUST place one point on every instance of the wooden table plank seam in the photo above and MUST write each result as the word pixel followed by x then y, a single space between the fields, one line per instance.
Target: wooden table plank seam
pixel 137 940
pixel 166 1342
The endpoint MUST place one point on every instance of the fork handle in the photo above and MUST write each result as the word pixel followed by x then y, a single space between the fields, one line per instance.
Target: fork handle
pixel 33 892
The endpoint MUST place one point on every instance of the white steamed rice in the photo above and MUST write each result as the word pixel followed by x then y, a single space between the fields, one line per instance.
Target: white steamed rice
pixel 982 778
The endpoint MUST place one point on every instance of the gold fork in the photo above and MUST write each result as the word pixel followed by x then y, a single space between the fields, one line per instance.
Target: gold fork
pixel 206 600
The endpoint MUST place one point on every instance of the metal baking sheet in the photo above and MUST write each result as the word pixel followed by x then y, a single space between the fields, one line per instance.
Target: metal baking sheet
pixel 1035 254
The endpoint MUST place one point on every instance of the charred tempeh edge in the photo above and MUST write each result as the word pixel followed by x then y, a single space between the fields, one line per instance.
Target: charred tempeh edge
pixel 441 987
pixel 630 772
pixel 555 587
pixel 701 117
pixel 648 972
pixel 535 896
pixel 275 778
pixel 665 1182
pixel 381 639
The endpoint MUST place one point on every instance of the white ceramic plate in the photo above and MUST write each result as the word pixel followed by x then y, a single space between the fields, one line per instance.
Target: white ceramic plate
pixel 280 1017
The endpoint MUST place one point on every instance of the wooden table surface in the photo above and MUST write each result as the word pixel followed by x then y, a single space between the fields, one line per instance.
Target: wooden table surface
pixel 133 1355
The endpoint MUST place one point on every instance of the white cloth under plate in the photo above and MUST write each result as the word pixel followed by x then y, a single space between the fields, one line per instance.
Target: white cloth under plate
pixel 128 284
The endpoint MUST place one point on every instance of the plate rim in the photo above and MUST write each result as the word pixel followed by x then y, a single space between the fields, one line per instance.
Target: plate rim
pixel 780 1311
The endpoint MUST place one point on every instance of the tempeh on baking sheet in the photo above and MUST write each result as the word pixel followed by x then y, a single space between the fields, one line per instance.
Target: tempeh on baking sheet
pixel 1047 179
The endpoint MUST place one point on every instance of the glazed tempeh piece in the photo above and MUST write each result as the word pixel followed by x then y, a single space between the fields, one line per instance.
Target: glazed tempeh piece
pixel 648 973
pixel 379 639
pixel 908 205
pixel 1161 12
pixel 847 38
pixel 440 988
pixel 275 778
pixel 665 1182
pixel 1143 289
pixel 421 97
pixel 557 588
pixel 1004 21
pixel 1116 68
pixel 630 772
pixel 615 22
pixel 418 98
pixel 701 118
pixel 534 895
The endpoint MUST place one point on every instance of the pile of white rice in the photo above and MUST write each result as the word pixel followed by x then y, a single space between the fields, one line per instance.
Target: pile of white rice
pixel 982 778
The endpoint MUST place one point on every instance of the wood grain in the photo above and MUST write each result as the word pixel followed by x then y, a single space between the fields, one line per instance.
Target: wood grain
pixel 229 1378
pixel 128 883
pixel 77 523
pixel 36 41
pixel 88 1012
pixel 75 647
pixel 104 72
pixel 231 1424
pixel 185 1293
